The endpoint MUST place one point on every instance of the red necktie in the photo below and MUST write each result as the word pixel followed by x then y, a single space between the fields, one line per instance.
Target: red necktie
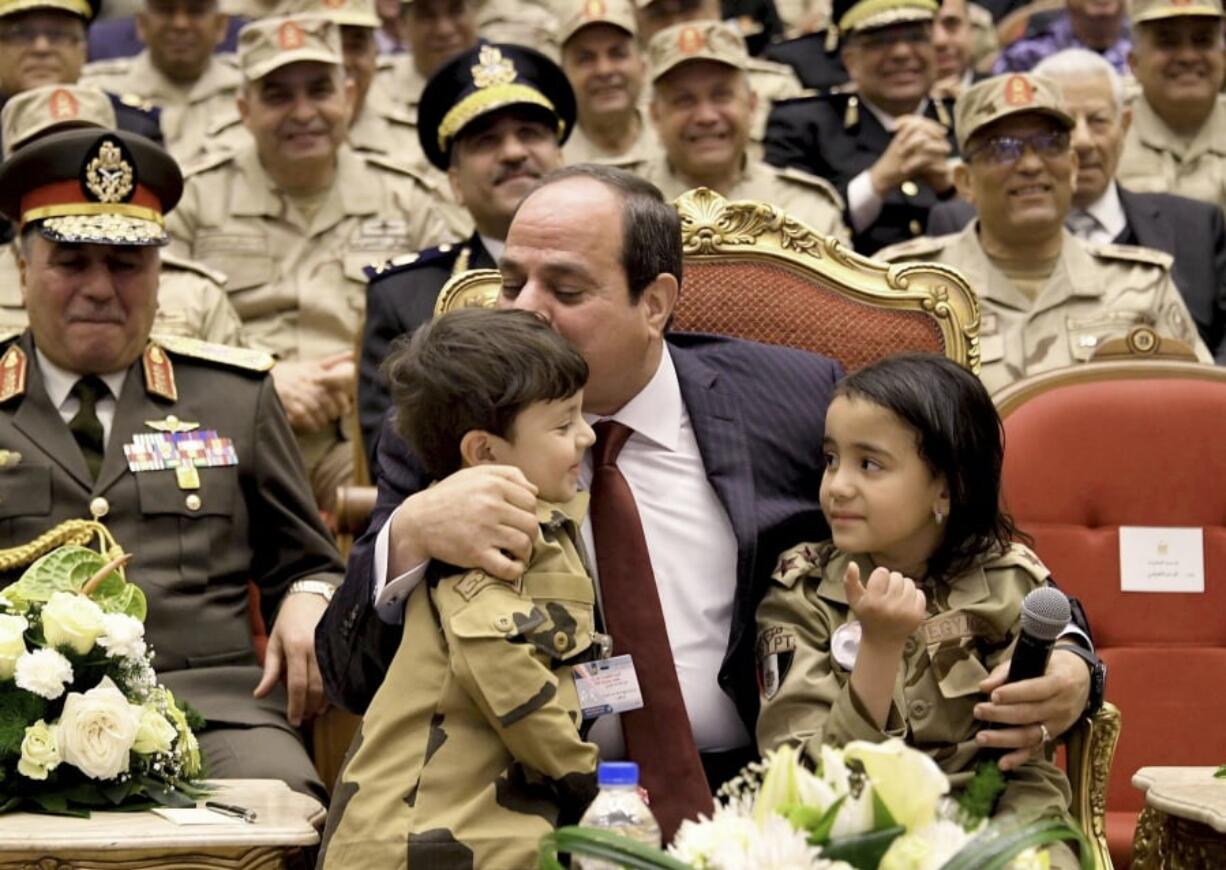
pixel 658 735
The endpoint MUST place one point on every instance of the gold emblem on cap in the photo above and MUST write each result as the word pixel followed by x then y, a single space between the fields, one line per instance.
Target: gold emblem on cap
pixel 64 106
pixel 108 177
pixel 689 40
pixel 290 36
pixel 1018 91
pixel 492 68
pixel 594 9
pixel 336 4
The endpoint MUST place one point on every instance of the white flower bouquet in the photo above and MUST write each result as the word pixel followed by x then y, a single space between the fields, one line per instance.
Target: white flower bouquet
pixel 83 722
pixel 869 806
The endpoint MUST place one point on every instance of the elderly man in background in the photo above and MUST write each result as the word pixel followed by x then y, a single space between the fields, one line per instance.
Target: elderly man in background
pixel 435 31
pixel 293 219
pixel 1177 142
pixel 1097 25
pixel 178 72
pixel 1049 299
pixel 701 105
pixel 953 42
pixel 606 69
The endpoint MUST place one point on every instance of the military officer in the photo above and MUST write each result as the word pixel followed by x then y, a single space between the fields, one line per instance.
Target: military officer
pixel 88 400
pixel 701 105
pixel 193 88
pixel 1177 142
pixel 293 219
pixel 886 145
pixel 770 81
pixel 435 32
pixel 191 298
pixel 1049 299
pixel 493 154
pixel 607 70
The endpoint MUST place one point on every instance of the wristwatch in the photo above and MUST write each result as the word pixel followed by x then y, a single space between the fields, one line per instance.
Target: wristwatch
pixel 1098 676
pixel 315 587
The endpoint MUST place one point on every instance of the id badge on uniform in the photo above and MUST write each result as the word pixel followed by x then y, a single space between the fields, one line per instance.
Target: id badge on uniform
pixel 607 686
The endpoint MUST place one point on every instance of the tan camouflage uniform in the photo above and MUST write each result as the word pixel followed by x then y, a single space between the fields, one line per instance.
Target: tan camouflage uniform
pixel 471 748
pixel 973 620
pixel 1157 159
pixel 1096 292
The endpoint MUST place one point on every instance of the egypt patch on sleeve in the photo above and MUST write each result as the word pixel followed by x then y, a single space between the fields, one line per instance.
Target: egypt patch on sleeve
pixel 775 650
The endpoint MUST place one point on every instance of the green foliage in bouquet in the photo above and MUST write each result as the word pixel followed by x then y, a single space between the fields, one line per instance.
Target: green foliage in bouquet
pixel 83 722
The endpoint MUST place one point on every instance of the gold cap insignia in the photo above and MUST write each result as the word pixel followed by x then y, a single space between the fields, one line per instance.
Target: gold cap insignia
pixel 1019 91
pixel 594 9
pixel 492 68
pixel 64 106
pixel 290 36
pixel 689 40
pixel 108 174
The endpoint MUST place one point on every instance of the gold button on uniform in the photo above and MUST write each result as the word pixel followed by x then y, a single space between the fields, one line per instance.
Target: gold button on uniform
pixel 909 188
pixel 193 502
pixel 99 507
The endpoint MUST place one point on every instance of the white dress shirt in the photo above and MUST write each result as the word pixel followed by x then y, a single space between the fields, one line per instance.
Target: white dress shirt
pixel 693 555
pixel 863 203
pixel 1108 214
pixel 59 382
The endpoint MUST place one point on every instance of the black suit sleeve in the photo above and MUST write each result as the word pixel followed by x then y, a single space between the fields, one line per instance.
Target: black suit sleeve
pixel 382 327
pixel 791 130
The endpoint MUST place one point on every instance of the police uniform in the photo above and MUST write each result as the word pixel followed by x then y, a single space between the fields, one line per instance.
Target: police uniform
pixel 199 532
pixel 1096 292
pixel 299 284
pixel 187 114
pixel 807 642
pixel 471 749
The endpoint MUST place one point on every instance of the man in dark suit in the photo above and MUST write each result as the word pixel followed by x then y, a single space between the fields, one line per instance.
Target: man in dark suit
pixel 1191 231
pixel 886 145
pixel 492 161
pixel 723 462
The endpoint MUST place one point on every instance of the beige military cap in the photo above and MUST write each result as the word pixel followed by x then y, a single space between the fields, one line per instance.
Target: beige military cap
pixel 1141 11
pixel 581 13
pixel 86 9
pixel 1001 96
pixel 52 107
pixel 695 40
pixel 355 13
pixel 272 43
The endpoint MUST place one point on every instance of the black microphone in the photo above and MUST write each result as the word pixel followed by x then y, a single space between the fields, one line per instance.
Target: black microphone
pixel 1045 613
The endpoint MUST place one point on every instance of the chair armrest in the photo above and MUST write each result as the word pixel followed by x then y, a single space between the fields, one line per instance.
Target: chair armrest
pixel 1091 747
pixel 354 505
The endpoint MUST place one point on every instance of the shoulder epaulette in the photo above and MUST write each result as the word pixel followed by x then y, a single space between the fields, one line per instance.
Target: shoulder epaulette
pixel 225 122
pixel 13 367
pixel 208 162
pixel 921 246
pixel 1019 556
pixel 439 256
pixel 224 354
pixel 757 64
pixel 186 265
pixel 112 66
pixel 136 101
pixel 1130 254
pixel 810 180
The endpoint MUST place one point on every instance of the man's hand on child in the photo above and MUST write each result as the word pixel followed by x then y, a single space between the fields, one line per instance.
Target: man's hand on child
pixel 890 607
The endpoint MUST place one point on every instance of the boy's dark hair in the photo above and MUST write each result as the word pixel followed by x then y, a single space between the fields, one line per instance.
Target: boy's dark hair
pixel 959 435
pixel 475 368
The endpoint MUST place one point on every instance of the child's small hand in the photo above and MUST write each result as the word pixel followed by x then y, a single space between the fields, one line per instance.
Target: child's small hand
pixel 890 607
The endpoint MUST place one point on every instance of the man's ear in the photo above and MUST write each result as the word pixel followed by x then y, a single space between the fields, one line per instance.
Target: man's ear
pixel 1125 119
pixel 142 26
pixel 19 247
pixel 479 447
pixel 962 181
pixel 659 298
pixel 453 179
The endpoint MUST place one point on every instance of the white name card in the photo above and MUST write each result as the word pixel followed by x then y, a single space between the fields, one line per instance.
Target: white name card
pixel 1162 559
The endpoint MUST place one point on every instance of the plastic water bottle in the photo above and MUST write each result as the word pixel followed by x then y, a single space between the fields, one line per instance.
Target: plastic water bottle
pixel 618 808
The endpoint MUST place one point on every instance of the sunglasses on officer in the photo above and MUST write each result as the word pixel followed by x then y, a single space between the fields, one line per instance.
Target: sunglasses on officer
pixel 1005 150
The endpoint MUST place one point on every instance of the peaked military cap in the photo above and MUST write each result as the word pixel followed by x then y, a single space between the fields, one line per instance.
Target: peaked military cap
pixel 488 78
pixel 87 9
pixel 988 101
pixel 714 41
pixel 105 187
pixel 39 110
pixel 584 13
pixel 271 43
pixel 347 13
pixel 1140 11
pixel 854 16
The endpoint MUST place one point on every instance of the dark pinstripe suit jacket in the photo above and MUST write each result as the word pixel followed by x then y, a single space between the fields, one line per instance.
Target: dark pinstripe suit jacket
pixel 758 414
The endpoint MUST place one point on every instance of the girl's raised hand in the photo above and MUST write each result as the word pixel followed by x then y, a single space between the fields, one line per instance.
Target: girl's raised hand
pixel 890 607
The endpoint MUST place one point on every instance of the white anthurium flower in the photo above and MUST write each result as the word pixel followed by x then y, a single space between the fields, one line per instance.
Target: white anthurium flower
pixel 908 782
pixel 856 815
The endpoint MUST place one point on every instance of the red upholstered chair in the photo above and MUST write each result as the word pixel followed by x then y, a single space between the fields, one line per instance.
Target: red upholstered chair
pixel 1131 443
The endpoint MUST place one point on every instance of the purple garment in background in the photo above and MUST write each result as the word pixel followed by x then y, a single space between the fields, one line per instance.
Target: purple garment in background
pixel 1022 55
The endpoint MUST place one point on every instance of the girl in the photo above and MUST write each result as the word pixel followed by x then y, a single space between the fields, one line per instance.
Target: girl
pixel 849 647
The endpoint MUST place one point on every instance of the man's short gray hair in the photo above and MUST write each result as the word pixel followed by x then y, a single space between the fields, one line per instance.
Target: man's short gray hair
pixel 1081 63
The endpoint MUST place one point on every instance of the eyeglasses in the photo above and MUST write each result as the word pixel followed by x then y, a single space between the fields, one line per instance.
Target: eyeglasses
pixel 899 34
pixel 28 34
pixel 1004 150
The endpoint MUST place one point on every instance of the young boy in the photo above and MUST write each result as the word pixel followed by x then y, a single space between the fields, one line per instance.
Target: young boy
pixel 471 750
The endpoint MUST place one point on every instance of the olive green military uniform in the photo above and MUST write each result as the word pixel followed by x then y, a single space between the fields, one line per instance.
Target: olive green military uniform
pixel 809 199
pixel 192 302
pixel 1157 159
pixel 805 655
pixel 298 284
pixel 1096 292
pixel 471 750
pixel 194 549
pixel 188 113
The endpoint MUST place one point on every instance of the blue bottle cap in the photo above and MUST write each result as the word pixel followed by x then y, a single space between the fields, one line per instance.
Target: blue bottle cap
pixel 617 773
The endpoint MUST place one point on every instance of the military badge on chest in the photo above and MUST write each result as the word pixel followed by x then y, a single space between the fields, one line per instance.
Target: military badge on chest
pixel 179 446
pixel 775 650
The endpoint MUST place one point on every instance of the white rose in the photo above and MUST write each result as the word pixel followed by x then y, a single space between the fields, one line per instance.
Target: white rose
pixel 39 753
pixel 43 672
pixel 122 635
pixel 97 730
pixel 155 733
pixel 12 643
pixel 72 620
